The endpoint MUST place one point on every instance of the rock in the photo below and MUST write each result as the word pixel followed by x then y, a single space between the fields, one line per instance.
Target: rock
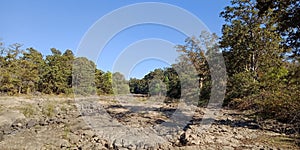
pixel 99 146
pixel 11 118
pixel 43 122
pixel 1 136
pixel 59 121
pixel 79 125
pixel 65 146
pixel 87 145
pixel 239 137
pixel 73 138
pixel 31 123
pixel 228 148
pixel 210 139
pixel 234 142
pixel 8 130
pixel 69 130
pixel 223 129
pixel 52 120
pixel 89 133
pixel 96 139
pixel 63 143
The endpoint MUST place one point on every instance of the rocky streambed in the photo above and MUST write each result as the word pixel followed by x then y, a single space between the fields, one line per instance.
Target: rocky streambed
pixel 108 122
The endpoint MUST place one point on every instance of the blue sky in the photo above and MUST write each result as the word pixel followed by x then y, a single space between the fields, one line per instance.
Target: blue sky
pixel 44 24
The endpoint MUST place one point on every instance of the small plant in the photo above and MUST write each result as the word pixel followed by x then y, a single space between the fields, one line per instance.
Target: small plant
pixel 48 110
pixel 1 108
pixel 66 132
pixel 142 99
pixel 64 109
pixel 114 101
pixel 28 110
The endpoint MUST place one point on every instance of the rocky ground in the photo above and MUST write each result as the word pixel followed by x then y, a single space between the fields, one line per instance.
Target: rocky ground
pixel 132 123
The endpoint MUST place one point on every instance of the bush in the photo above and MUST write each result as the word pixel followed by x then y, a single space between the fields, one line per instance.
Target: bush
pixel 28 110
pixel 48 110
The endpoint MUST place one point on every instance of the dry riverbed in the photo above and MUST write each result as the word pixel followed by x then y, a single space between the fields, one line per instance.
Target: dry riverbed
pixel 126 122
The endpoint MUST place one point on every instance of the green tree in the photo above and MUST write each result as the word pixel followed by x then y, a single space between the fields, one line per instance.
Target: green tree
pixel 120 85
pixel 103 82
pixel 11 81
pixel 67 61
pixel 172 82
pixel 83 76
pixel 197 53
pixel 31 64
pixel 259 76
pixel 286 14
pixel 250 45
pixel 53 74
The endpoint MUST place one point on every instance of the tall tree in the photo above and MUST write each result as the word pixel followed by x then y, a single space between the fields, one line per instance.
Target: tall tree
pixel 197 52
pixel 31 64
pixel 67 61
pixel 120 85
pixel 286 14
pixel 11 77
pixel 250 45
pixel 83 75
pixel 52 75
pixel 258 75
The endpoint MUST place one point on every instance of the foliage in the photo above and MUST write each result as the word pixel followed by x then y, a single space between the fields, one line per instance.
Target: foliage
pixel 28 72
pixel 160 82
pixel 286 14
pixel 120 85
pixel 48 109
pixel 187 77
pixel 84 76
pixel 28 110
pixel 260 77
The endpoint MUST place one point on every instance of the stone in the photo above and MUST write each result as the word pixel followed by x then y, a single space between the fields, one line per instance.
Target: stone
pixel 31 123
pixel 43 122
pixel 18 123
pixel 87 146
pixel 1 136
pixel 99 146
pixel 68 130
pixel 73 138
pixel 228 148
pixel 7 129
pixel 89 133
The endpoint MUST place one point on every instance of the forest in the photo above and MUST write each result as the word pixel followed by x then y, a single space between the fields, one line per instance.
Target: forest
pixel 259 44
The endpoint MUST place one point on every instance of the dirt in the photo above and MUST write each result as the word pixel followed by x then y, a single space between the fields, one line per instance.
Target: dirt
pixel 126 122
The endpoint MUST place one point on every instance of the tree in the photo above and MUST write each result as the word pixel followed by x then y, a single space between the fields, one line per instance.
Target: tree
pixel 67 61
pixel 53 74
pixel 31 64
pixel 259 76
pixel 197 53
pixel 120 85
pixel 286 14
pixel 134 85
pixel 250 46
pixel 157 87
pixel 57 73
pixel 173 83
pixel 83 75
pixel 11 81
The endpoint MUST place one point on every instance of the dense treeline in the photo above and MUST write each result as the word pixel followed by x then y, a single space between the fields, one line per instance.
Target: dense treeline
pixel 28 72
pixel 191 66
pixel 160 82
pixel 262 57
pixel 260 45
